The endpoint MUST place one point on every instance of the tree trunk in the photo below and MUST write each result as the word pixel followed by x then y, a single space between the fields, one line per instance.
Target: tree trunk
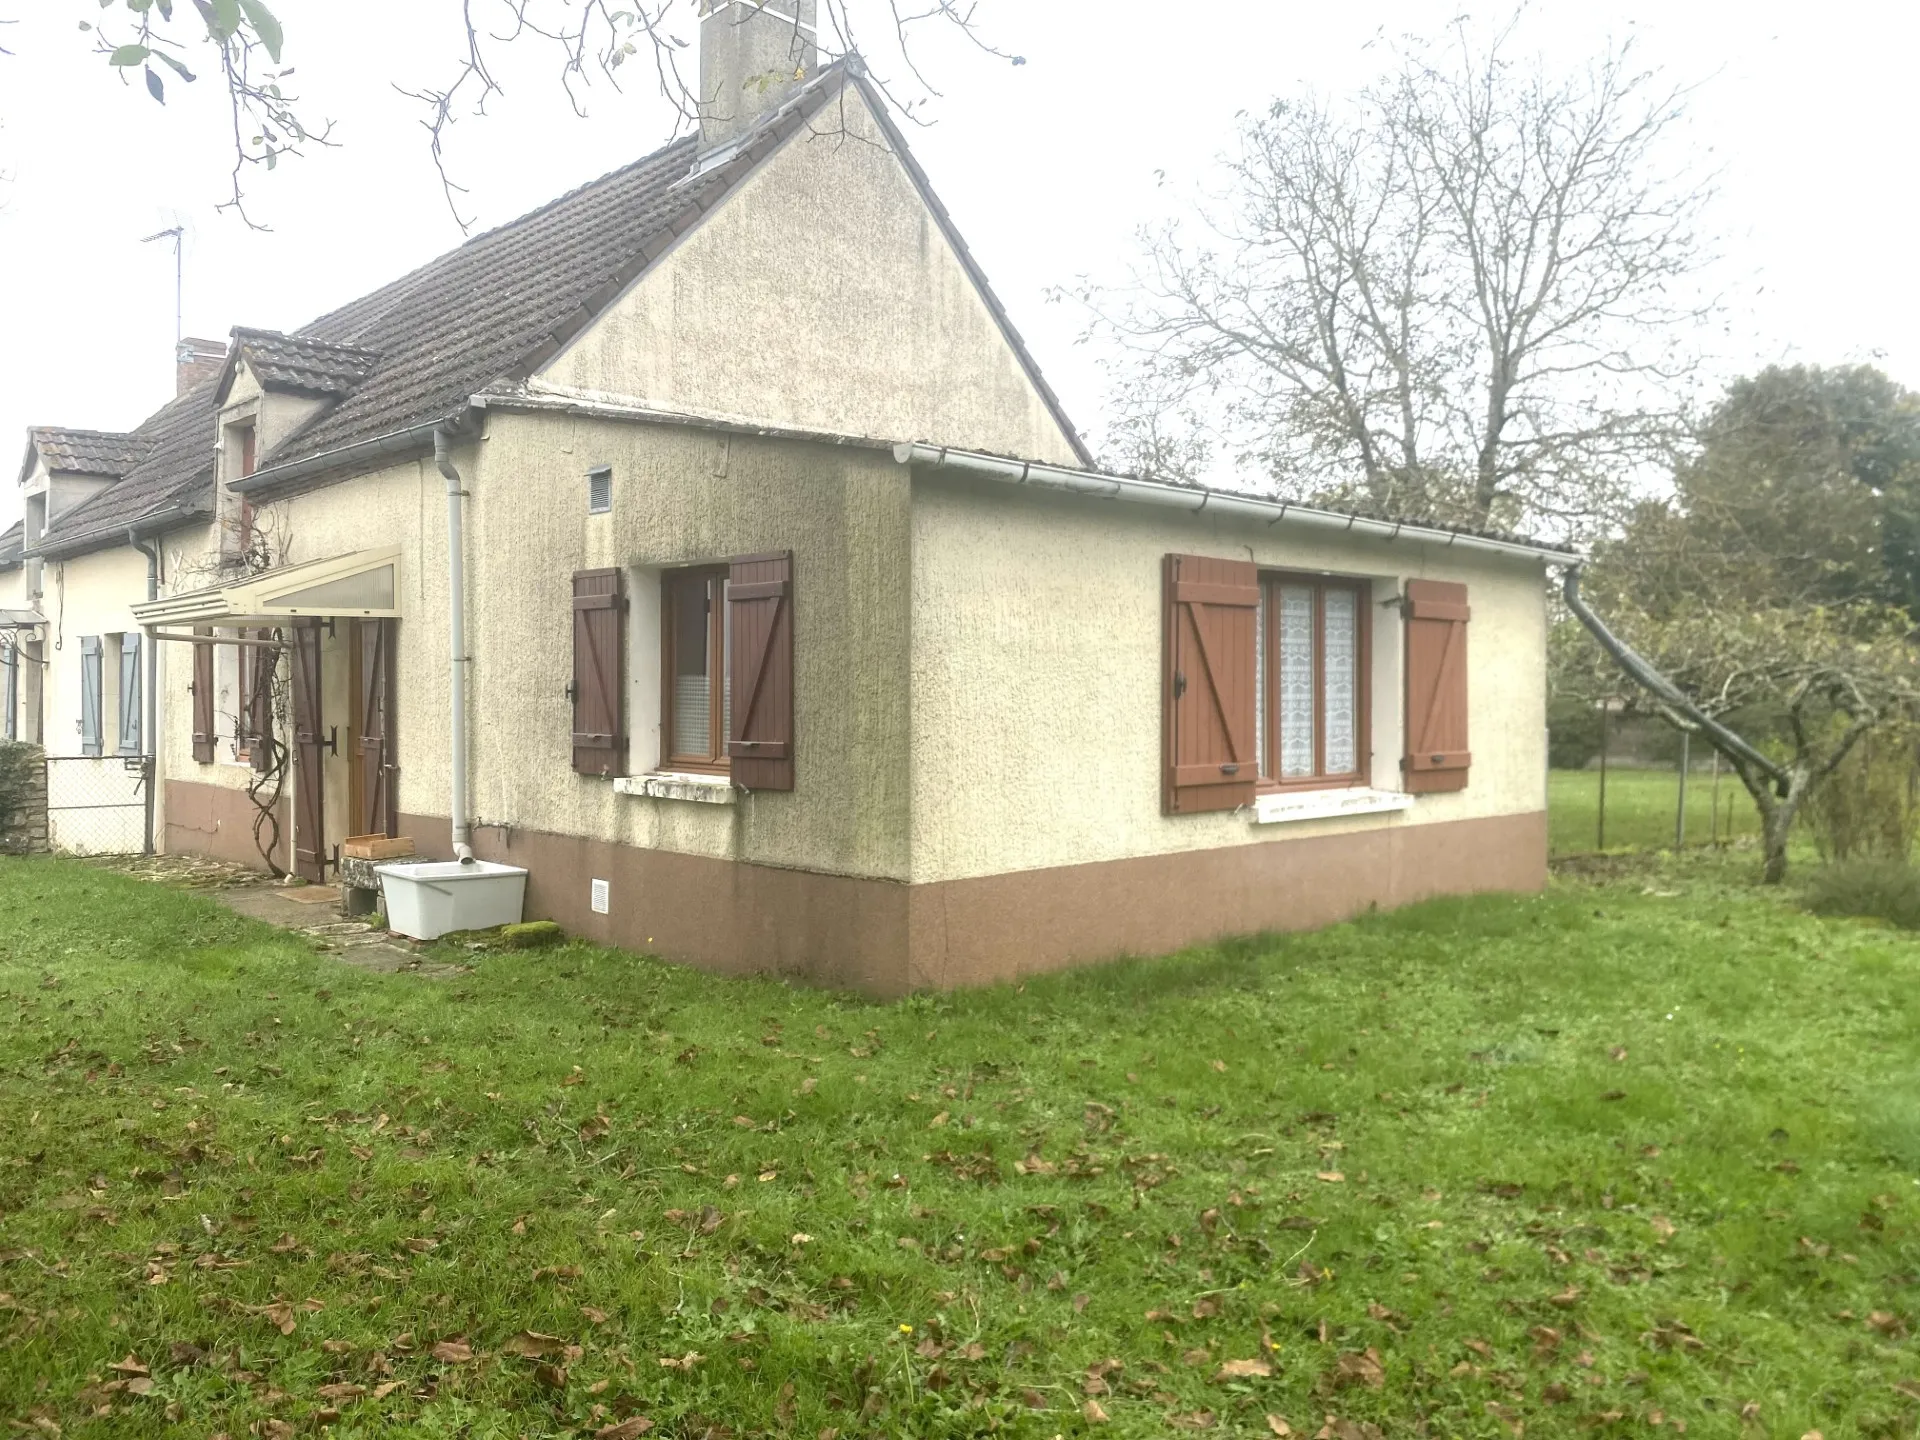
pixel 1776 826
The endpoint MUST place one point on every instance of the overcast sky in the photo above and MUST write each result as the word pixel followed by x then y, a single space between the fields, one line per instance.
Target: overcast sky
pixel 1049 168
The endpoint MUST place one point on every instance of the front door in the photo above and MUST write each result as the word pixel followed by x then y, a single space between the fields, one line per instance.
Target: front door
pixel 374 769
pixel 309 772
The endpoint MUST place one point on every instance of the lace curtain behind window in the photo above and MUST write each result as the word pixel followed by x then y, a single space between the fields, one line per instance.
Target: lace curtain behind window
pixel 1296 682
pixel 1340 677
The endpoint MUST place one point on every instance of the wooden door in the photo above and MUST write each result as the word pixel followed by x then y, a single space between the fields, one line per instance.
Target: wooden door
pixel 309 764
pixel 375 810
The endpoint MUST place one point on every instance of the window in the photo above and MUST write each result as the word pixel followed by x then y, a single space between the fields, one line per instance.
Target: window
pixel 600 491
pixel 697 697
pixel 1311 668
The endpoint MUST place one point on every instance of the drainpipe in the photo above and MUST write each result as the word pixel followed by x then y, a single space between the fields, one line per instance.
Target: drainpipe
pixel 456 639
pixel 150 701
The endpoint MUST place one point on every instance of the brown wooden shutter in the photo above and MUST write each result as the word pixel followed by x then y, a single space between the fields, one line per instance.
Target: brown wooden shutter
pixel 1212 610
pixel 203 733
pixel 309 777
pixel 378 808
pixel 262 661
pixel 1437 757
pixel 760 740
pixel 599 671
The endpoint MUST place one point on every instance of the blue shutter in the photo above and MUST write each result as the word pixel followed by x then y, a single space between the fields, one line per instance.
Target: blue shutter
pixel 90 678
pixel 130 693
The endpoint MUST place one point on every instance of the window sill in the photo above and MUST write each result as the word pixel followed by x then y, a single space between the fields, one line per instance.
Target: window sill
pixel 1281 806
pixel 700 789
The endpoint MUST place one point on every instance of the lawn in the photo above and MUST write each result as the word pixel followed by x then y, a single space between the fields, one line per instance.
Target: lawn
pixel 1628 1154
pixel 1640 810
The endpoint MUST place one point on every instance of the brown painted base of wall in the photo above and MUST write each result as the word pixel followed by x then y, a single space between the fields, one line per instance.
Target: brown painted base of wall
pixel 216 821
pixel 887 938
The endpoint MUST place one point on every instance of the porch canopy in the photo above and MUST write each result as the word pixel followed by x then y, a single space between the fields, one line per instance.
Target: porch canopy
pixel 363 585
pixel 21 620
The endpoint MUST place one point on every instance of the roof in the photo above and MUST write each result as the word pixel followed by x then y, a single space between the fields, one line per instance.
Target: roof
pixel 85 452
pixel 174 478
pixel 491 312
pixel 298 362
pixel 12 544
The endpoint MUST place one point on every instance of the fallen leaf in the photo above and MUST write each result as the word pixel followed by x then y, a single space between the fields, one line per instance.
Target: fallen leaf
pixel 341 1391
pixel 684 1362
pixel 1617 1052
pixel 1908 1388
pixel 1243 1370
pixel 554 1377
pixel 1887 1323
pixel 453 1352
pixel 1358 1367
pixel 1196 1420
pixel 630 1429
pixel 1331 1177
pixel 1279 1426
pixel 129 1366
pixel 1662 1227
pixel 594 1315
pixel 1567 1298
pixel 534 1345
pixel 1093 1414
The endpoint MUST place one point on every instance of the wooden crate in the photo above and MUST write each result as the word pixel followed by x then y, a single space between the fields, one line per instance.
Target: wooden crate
pixel 376 847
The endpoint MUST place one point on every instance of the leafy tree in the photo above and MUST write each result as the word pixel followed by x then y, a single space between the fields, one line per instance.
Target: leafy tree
pixel 163 43
pixel 1452 297
pixel 1767 603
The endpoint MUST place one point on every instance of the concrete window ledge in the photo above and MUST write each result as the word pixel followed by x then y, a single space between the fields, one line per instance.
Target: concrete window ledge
pixel 1279 808
pixel 700 789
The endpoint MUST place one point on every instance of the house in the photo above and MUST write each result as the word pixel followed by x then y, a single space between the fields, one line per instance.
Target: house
pixel 708 543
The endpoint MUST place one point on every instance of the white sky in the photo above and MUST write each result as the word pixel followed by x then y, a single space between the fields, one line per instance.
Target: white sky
pixel 1049 169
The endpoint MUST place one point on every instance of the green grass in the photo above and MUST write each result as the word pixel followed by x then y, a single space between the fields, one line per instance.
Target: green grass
pixel 1577 1160
pixel 1640 810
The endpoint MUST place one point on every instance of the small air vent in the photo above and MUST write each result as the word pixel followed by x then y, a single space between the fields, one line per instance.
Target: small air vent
pixel 599 491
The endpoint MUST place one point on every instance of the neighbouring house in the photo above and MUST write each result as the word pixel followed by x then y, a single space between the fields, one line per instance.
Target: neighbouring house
pixel 709 543
pixel 19 642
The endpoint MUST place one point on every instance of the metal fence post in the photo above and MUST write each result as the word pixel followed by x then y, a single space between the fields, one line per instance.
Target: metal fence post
pixel 1600 841
pixel 1680 813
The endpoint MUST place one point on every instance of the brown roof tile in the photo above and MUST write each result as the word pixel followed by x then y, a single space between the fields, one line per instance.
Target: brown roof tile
pixel 86 452
pixel 302 363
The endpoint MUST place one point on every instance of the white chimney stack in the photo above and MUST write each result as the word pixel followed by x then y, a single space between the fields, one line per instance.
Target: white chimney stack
pixel 754 54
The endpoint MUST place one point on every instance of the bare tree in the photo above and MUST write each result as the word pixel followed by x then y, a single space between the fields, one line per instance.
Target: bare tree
pixel 1452 298
pixel 590 41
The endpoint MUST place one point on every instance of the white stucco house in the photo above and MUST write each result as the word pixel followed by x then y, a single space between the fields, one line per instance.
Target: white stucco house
pixel 709 543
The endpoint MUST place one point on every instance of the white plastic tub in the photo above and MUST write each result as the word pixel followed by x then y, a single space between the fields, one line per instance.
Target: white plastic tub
pixel 428 899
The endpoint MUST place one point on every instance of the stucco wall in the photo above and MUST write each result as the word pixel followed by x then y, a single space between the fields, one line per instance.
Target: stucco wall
pixel 87 595
pixel 683 496
pixel 822 295
pixel 1037 685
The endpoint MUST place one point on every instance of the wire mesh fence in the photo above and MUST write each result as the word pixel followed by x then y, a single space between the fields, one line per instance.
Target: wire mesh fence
pixel 1646 807
pixel 97 804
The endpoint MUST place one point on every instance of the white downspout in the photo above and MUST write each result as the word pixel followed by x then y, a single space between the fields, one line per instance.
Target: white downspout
pixel 456 641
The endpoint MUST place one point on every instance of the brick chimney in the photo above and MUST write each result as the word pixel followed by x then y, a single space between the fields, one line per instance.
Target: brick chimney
pixel 196 362
pixel 753 55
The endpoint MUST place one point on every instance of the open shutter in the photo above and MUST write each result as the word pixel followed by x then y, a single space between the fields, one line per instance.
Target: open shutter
pixel 760 671
pixel 378 809
pixel 599 672
pixel 130 693
pixel 90 678
pixel 203 736
pixel 1212 612
pixel 261 662
pixel 309 778
pixel 1437 758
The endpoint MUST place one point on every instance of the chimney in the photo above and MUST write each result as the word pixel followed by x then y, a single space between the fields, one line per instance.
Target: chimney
pixel 196 362
pixel 754 54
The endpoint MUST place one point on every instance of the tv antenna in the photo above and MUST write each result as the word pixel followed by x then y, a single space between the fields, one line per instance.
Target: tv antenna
pixel 175 233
